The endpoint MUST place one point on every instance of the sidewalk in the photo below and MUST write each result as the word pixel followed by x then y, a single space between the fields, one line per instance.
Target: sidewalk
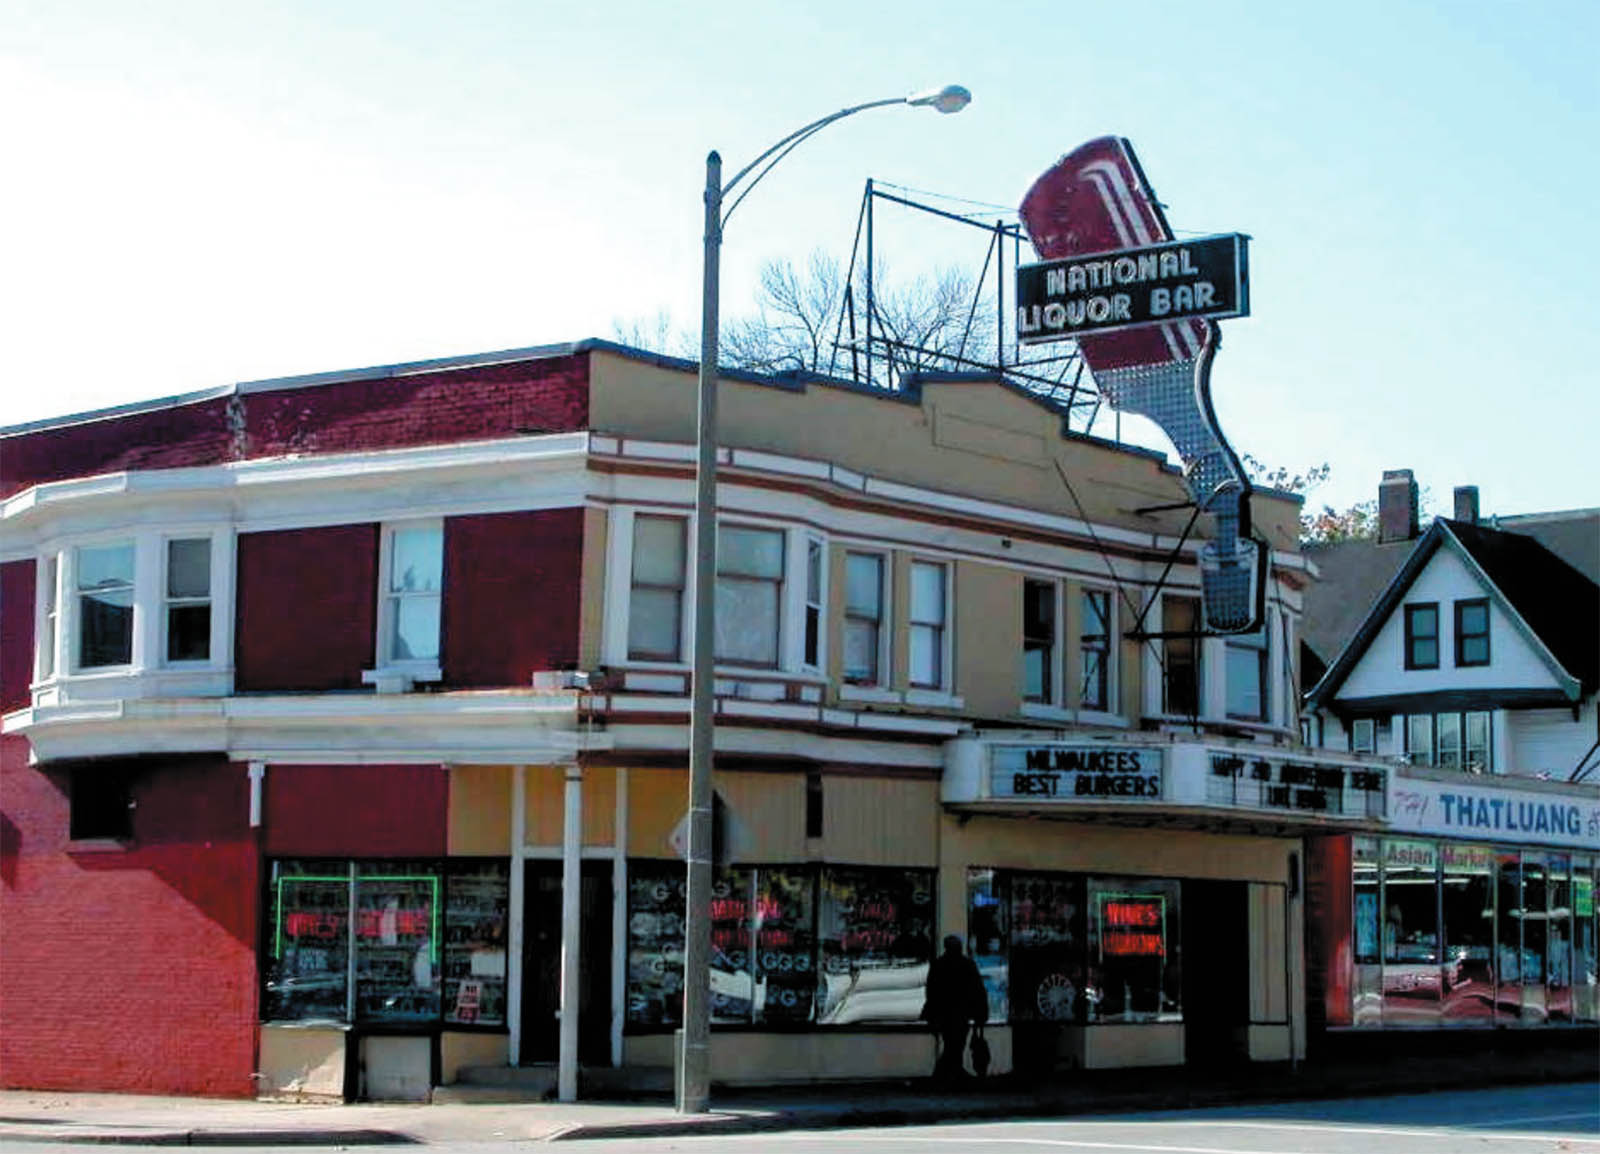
pixel 42 1116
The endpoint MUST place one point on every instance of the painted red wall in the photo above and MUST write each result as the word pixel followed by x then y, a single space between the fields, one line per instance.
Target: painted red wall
pixel 307 608
pixel 545 395
pixel 1330 963
pixel 129 969
pixel 16 633
pixel 355 811
pixel 512 588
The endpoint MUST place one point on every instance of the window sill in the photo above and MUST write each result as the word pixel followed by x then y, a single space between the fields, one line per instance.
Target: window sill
pixel 99 845
pixel 936 698
pixel 392 679
pixel 872 694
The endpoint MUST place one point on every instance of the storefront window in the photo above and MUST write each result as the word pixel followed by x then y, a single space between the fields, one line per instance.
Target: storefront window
pixel 786 945
pixel 1048 981
pixel 398 939
pixel 1410 933
pixel 1467 899
pixel 988 941
pixel 1534 916
pixel 1134 971
pixel 1367 1009
pixel 655 944
pixel 1508 936
pixel 308 949
pixel 876 937
pixel 1558 999
pixel 1585 980
pixel 476 904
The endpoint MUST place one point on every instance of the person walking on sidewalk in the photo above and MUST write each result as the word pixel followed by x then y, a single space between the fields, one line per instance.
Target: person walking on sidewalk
pixel 955 999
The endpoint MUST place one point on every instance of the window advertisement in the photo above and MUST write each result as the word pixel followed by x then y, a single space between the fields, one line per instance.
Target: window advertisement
pixel 988 938
pixel 875 931
pixel 475 934
pixel 398 940
pixel 308 948
pixel 1467 901
pixel 784 918
pixel 1585 979
pixel 1411 977
pixel 655 944
pixel 1367 1008
pixel 1134 972
pixel 1508 936
pixel 1048 979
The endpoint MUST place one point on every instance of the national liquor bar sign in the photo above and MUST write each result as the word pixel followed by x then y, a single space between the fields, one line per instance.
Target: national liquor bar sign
pixel 1099 292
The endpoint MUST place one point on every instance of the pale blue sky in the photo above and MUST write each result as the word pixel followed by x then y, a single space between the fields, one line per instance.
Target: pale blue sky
pixel 204 192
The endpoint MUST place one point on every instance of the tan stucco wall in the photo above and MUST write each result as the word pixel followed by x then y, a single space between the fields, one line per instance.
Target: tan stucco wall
pixel 480 810
pixel 973 437
pixel 458 1050
pixel 657 802
pixel 878 821
pixel 545 806
pixel 988 651
pixel 302 1062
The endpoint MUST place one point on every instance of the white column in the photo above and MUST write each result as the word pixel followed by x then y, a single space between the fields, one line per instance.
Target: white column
pixel 519 841
pixel 619 919
pixel 571 928
pixel 256 771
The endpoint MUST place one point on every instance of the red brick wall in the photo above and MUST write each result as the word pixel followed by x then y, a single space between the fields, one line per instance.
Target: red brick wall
pixel 129 970
pixel 429 408
pixel 511 596
pixel 16 633
pixel 355 811
pixel 307 608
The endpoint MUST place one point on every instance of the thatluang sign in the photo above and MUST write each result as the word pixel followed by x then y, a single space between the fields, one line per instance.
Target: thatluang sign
pixel 1099 292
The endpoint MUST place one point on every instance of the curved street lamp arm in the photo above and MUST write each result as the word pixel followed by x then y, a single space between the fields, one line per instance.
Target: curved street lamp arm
pixel 798 135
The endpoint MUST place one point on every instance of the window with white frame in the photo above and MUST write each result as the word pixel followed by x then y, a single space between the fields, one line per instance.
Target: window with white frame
pixel 812 654
pixel 1450 740
pixel 1094 650
pixel 1247 676
pixel 52 616
pixel 1180 622
pixel 105 575
pixel 655 603
pixel 1363 735
pixel 750 565
pixel 413 594
pixel 863 619
pixel 1038 640
pixel 188 599
pixel 926 618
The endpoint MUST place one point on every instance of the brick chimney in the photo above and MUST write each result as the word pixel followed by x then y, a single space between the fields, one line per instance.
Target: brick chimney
pixel 1397 506
pixel 1467 504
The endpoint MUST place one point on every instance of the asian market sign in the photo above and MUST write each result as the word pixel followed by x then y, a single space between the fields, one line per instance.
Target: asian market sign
pixel 1478 813
pixel 1074 773
pixel 1101 292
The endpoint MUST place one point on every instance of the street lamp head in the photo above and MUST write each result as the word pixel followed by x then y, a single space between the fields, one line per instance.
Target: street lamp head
pixel 950 98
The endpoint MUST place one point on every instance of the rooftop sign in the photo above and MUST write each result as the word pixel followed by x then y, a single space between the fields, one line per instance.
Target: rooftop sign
pixel 1102 292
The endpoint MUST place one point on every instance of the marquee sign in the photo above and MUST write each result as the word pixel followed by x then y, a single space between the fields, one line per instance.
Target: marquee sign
pixel 1075 773
pixel 1314 788
pixel 1100 292
pixel 1496 813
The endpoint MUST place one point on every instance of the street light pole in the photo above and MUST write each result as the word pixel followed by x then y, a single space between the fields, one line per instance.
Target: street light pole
pixel 694 1060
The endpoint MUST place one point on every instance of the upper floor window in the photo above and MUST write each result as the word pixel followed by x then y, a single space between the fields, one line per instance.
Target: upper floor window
pixel 188 599
pixel 1422 636
pixel 1364 735
pixel 655 605
pixel 1094 650
pixel 750 566
pixel 1472 632
pixel 1180 623
pixel 105 605
pixel 52 617
pixel 413 586
pixel 1450 740
pixel 927 618
pixel 863 619
pixel 1247 676
pixel 812 655
pixel 1038 640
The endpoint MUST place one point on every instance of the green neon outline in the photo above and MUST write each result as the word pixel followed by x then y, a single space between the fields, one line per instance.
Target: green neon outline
pixel 434 880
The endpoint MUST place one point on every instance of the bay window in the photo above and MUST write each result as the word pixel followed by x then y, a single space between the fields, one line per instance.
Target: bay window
pixel 655 602
pixel 50 593
pixel 863 619
pixel 1094 650
pixel 927 617
pixel 1247 676
pixel 1038 640
pixel 750 564
pixel 105 605
pixel 1180 623
pixel 188 599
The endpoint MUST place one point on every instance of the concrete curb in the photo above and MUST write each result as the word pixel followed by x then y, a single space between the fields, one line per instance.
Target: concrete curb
pixel 71 1134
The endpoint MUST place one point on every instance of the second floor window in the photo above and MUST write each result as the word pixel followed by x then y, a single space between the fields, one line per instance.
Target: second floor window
pixel 749 594
pixel 1472 632
pixel 1247 676
pixel 105 605
pixel 1038 640
pixel 1094 651
pixel 863 619
pixel 1363 735
pixel 1450 740
pixel 1422 636
pixel 188 599
pixel 927 625
pixel 413 587
pixel 813 624
pixel 1180 622
pixel 52 617
pixel 655 605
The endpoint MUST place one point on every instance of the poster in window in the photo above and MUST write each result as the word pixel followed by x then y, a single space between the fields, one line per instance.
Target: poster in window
pixel 475 943
pixel 397 943
pixel 785 951
pixel 876 938
pixel 655 944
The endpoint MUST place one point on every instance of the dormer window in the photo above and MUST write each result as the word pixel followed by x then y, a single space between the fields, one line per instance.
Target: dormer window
pixel 1422 636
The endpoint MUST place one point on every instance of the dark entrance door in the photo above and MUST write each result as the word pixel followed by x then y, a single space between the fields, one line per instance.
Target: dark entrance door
pixel 541 964
pixel 1216 972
